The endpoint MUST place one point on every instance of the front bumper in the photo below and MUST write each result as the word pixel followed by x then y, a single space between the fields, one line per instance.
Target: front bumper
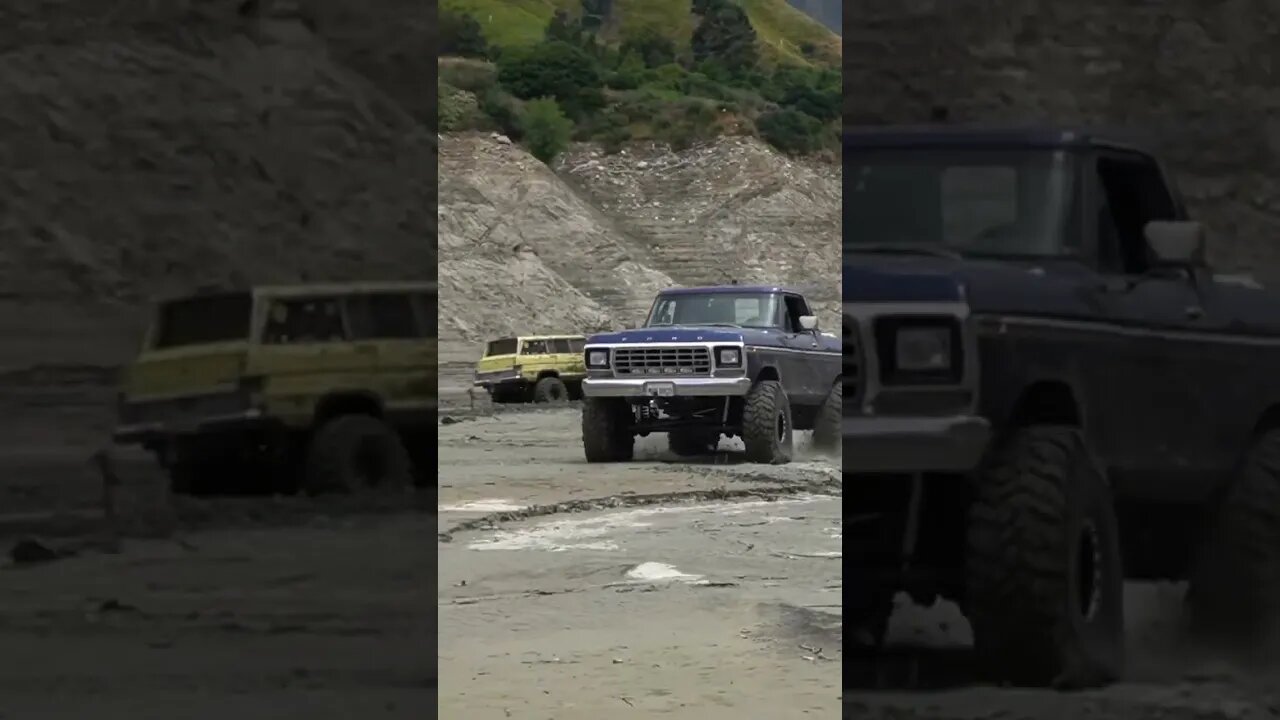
pixel 654 387
pixel 914 444
pixel 143 432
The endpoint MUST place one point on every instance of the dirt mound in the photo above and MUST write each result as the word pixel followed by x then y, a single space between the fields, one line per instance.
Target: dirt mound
pixel 526 249
pixel 149 152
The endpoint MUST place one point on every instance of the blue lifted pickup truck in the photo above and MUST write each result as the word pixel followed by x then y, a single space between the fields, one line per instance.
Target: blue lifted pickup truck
pixel 733 360
pixel 1048 391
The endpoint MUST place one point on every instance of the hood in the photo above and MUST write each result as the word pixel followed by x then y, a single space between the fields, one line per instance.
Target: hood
pixel 989 286
pixel 666 334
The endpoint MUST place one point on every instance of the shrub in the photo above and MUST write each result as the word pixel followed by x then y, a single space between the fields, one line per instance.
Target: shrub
pixel 504 110
pixel 654 50
pixel 791 131
pixel 547 130
pixel 456 109
pixel 630 73
pixel 470 75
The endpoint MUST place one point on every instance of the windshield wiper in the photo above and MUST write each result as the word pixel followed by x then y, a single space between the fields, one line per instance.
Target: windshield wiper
pixel 906 250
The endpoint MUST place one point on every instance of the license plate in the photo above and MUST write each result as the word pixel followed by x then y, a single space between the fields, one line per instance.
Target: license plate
pixel 660 389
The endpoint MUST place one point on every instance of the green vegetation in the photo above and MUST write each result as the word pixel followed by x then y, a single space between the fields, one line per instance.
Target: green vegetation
pixel 615 71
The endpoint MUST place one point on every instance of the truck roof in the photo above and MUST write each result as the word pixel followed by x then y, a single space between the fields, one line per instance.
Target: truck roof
pixel 716 289
pixel 987 136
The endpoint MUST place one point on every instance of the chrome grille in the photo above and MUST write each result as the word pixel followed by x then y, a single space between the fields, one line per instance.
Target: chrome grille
pixel 852 374
pixel 636 361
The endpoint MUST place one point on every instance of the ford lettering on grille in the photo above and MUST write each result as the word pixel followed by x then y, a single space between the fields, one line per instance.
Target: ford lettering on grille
pixel 661 362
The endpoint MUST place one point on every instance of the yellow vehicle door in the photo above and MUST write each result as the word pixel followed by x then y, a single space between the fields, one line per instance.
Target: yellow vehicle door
pixel 400 328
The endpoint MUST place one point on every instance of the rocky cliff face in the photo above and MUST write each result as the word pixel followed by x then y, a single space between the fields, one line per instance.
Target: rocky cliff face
pixel 526 249
pixel 1197 79
pixel 153 147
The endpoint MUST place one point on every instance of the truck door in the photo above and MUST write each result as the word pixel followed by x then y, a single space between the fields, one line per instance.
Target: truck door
pixel 802 354
pixel 1151 381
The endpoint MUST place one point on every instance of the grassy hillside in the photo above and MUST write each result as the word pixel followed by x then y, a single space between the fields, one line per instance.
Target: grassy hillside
pixel 785 33
pixel 508 23
pixel 546 72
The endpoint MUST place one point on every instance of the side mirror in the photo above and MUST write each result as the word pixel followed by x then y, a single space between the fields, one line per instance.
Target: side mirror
pixel 1177 243
pixel 809 322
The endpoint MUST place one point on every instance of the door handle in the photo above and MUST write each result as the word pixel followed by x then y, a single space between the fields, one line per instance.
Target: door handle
pixel 1194 312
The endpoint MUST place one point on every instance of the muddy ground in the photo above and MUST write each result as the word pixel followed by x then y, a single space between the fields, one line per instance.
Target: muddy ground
pixel 239 607
pixel 651 588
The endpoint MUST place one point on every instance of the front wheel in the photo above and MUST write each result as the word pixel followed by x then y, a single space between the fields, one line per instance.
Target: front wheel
pixel 766 424
pixel 606 430
pixel 1044 579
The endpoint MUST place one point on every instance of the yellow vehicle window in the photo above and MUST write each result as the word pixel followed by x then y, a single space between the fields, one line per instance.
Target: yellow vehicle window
pixel 382 316
pixel 560 345
pixel 505 346
pixel 304 320
pixel 577 345
pixel 534 347
pixel 204 320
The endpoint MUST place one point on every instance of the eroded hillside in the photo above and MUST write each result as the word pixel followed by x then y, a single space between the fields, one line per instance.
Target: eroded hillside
pixel 153 147
pixel 527 249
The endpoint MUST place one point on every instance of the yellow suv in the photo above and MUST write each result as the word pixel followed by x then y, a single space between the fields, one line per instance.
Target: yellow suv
pixel 314 387
pixel 537 368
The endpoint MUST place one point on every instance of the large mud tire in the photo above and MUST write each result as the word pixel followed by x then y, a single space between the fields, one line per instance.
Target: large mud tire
pixel 826 431
pixel 550 389
pixel 357 454
pixel 1234 595
pixel 766 424
pixel 606 430
pixel 1044 575
pixel 692 443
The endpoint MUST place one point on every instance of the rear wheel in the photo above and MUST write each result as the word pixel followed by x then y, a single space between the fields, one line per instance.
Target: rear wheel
pixel 1234 594
pixel 826 432
pixel 766 424
pixel 550 389
pixel 357 453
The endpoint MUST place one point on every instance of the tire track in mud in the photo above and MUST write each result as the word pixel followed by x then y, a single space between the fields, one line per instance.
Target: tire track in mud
pixel 766 493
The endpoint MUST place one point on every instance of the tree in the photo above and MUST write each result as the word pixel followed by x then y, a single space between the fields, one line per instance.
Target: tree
pixel 461 35
pixel 594 13
pixel 546 128
pixel 725 34
pixel 564 28
pixel 654 49
pixel 554 69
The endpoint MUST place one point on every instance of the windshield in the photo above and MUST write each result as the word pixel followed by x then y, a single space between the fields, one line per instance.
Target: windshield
pixel 967 202
pixel 722 308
